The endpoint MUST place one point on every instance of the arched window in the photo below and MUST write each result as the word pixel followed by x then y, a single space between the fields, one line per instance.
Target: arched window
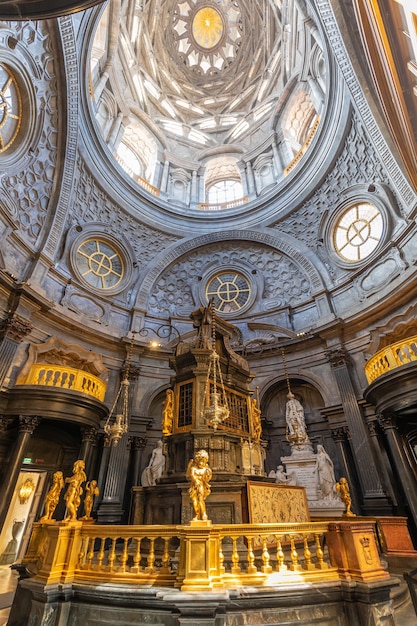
pixel 224 191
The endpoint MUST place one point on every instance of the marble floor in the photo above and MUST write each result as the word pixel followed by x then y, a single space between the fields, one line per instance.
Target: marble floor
pixel 404 615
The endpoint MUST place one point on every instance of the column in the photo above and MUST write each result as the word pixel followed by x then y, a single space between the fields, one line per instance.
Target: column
pixel 27 425
pixel 194 189
pixel 164 179
pixel 138 445
pixel 14 329
pixel 385 467
pixel 400 460
pixel 114 133
pixel 278 166
pixel 374 498
pixel 89 435
pixel 101 84
pixel 115 475
pixel 111 508
pixel 250 179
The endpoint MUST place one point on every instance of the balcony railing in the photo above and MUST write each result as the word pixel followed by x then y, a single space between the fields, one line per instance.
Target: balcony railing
pixel 62 377
pixel 204 556
pixel 392 356
pixel 221 206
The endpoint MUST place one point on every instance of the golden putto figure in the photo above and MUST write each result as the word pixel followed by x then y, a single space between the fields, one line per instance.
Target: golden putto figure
pixel 91 491
pixel 256 421
pixel 168 413
pixel 74 491
pixel 343 488
pixel 199 473
pixel 52 497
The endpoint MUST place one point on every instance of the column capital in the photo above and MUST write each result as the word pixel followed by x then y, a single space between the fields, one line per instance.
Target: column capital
pixel 28 423
pixel 337 357
pixel 373 428
pixel 139 443
pixel 387 422
pixel 15 327
pixel 340 434
pixel 89 433
pixel 5 423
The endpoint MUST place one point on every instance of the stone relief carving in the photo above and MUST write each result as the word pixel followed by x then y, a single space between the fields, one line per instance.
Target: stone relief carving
pixel 54 351
pixel 380 274
pixel 284 281
pixel 91 204
pixel 357 164
pixel 80 303
pixel 31 187
pixel 398 178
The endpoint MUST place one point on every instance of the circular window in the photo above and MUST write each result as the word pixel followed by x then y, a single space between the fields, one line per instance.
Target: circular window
pixel 358 232
pixel 207 27
pixel 230 290
pixel 99 263
pixel 10 108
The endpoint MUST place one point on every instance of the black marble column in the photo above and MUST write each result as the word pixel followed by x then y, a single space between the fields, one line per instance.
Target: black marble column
pixel 400 460
pixel 111 508
pixel 381 454
pixel 138 445
pixel 13 330
pixel 340 437
pixel 27 425
pixel 375 500
pixel 89 435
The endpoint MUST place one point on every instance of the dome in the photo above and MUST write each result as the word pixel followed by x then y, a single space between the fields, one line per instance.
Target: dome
pixel 186 94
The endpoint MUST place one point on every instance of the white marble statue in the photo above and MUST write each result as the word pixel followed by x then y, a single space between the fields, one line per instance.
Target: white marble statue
pixel 281 477
pixel 294 415
pixel 153 472
pixel 324 470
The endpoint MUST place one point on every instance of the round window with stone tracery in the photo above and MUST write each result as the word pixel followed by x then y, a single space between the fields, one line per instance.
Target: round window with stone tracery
pixel 230 291
pixel 358 232
pixel 99 264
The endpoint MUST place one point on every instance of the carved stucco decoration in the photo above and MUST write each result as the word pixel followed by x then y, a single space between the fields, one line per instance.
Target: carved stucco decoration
pixel 396 329
pixel 284 281
pixel 399 182
pixel 54 351
pixel 30 187
pixel 357 164
pixel 380 274
pixel 92 204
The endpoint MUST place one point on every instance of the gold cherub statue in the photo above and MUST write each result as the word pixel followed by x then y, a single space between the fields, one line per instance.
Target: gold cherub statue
pixel 199 473
pixel 91 491
pixel 343 488
pixel 73 494
pixel 52 497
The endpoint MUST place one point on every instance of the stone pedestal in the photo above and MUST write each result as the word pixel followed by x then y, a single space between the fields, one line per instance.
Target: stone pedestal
pixel 301 467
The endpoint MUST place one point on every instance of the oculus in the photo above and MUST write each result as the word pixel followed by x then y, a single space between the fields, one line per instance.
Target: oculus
pixel 358 232
pixel 10 108
pixel 230 291
pixel 99 264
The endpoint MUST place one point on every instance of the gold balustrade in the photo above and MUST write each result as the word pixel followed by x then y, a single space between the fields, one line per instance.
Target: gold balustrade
pixel 392 356
pixel 204 556
pixel 62 377
pixel 150 188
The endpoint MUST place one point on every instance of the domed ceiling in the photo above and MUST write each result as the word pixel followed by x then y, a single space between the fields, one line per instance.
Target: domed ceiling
pixel 207 86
